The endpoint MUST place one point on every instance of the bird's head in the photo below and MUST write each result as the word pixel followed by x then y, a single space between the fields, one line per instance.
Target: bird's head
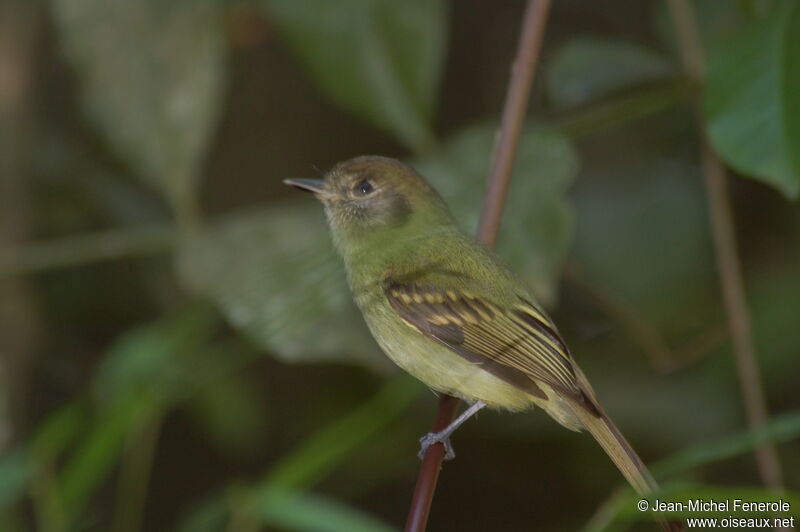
pixel 368 195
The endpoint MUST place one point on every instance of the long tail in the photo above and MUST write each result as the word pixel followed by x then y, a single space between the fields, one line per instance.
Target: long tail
pixel 622 454
pixel 619 450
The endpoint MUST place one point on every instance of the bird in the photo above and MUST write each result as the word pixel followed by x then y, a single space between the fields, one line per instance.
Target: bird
pixel 450 312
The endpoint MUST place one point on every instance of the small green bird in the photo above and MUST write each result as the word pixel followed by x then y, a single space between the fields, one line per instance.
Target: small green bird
pixel 448 311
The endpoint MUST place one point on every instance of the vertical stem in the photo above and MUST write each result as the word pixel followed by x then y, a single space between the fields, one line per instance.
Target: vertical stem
pixel 429 470
pixel 727 256
pixel 513 118
pixel 738 314
pixel 20 22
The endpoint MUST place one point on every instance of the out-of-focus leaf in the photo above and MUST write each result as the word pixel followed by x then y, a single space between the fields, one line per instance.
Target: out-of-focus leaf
pixel 143 371
pixel 323 451
pixel 97 452
pixel 296 510
pixel 312 459
pixel 53 434
pixel 380 59
pixel 642 231
pixel 537 222
pixel 14 474
pixel 780 429
pixel 158 356
pixel 151 75
pixel 585 69
pixel 276 276
pixel 64 165
pixel 57 431
pixel 752 101
pixel 18 466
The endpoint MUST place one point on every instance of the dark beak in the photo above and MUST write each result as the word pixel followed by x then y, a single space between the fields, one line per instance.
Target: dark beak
pixel 317 186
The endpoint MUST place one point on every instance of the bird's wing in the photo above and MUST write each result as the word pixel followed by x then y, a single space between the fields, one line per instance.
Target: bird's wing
pixel 519 343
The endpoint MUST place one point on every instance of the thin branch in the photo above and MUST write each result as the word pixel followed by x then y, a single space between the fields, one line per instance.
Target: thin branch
pixel 724 236
pixel 513 118
pixel 738 313
pixel 20 320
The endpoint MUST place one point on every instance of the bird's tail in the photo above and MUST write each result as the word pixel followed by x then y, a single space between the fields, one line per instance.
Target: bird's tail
pixel 619 450
pixel 598 424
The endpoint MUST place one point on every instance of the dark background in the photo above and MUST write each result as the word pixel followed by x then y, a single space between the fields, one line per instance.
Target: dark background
pixel 87 340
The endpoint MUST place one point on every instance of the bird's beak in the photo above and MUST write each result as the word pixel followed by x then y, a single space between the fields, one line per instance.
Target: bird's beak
pixel 317 186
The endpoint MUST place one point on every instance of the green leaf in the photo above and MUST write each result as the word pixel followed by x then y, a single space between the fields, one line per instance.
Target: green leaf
pixel 309 462
pixel 58 430
pixel 630 240
pixel 144 370
pixel 586 69
pixel 538 219
pixel 305 511
pixel 158 357
pixel 275 275
pixel 53 434
pixel 151 75
pixel 379 59
pixel 752 102
pixel 98 451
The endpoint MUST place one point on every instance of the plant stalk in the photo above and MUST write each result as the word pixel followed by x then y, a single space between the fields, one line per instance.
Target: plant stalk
pixel 512 122
pixel 727 256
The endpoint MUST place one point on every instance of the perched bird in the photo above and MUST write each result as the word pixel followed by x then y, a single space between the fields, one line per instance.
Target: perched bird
pixel 448 311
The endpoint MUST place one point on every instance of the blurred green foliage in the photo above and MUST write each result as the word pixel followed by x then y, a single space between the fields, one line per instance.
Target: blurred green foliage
pixel 151 76
pixel 198 362
pixel 378 60
pixel 752 102
pixel 586 69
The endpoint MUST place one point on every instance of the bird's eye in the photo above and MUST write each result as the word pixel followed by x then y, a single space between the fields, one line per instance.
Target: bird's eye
pixel 364 187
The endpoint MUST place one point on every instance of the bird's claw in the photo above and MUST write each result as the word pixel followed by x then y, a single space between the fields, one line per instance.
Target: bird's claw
pixel 432 438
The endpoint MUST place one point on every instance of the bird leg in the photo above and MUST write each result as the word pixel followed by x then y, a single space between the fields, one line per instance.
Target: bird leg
pixel 443 436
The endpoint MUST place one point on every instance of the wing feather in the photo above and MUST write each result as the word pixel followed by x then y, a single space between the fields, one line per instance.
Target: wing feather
pixel 518 344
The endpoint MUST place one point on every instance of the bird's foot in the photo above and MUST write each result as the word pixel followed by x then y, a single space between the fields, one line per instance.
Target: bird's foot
pixel 432 438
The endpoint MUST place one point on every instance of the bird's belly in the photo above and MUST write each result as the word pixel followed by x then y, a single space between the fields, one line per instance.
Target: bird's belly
pixel 440 368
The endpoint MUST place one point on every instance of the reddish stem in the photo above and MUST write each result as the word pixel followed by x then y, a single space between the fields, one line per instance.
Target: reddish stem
pixel 513 119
